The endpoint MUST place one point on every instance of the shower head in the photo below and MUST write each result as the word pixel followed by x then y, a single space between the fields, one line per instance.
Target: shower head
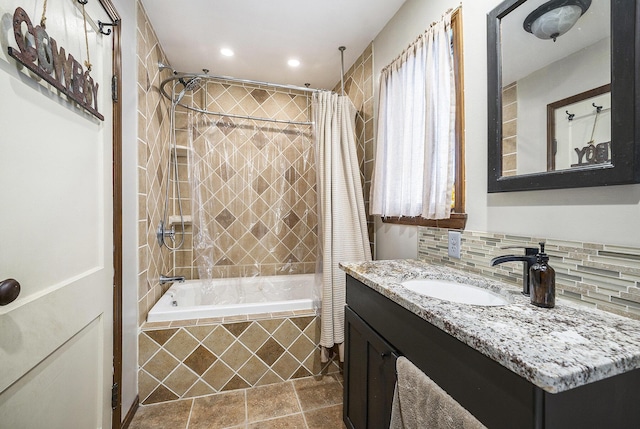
pixel 189 85
pixel 163 66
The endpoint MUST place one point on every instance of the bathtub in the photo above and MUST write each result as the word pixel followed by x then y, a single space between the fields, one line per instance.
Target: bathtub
pixel 194 299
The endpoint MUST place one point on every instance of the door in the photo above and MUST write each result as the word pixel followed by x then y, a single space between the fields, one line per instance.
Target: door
pixel 56 226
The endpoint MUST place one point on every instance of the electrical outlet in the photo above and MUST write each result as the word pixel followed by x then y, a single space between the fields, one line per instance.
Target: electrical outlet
pixel 454 244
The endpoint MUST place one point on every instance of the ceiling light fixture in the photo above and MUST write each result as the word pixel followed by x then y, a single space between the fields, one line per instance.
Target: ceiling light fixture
pixel 555 17
pixel 226 52
pixel 293 63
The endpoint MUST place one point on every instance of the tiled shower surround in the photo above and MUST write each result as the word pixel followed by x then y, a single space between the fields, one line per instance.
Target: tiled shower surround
pixel 257 196
pixel 153 143
pixel 598 275
pixel 180 360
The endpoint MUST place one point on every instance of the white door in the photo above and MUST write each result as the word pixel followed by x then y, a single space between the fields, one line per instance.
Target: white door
pixel 56 233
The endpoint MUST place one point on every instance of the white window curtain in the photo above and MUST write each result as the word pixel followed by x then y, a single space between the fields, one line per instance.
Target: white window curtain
pixel 414 168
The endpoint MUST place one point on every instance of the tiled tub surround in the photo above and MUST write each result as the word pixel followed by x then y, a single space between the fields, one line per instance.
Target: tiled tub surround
pixel 600 276
pixel 257 195
pixel 192 358
pixel 556 349
pixel 153 144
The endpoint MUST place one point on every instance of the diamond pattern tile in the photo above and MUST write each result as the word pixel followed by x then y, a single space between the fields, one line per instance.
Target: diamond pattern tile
pixel 236 382
pixel 270 351
pixel 260 95
pixel 181 345
pixel 180 380
pixel 254 336
pixel 225 218
pixel 287 333
pixel 236 356
pixel 218 375
pixel 161 336
pixel 259 230
pixel 161 364
pixel 200 360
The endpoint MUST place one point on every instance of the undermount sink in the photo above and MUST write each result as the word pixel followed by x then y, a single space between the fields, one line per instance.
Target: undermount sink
pixel 455 292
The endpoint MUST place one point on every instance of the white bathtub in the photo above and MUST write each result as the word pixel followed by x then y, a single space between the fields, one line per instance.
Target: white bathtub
pixel 193 299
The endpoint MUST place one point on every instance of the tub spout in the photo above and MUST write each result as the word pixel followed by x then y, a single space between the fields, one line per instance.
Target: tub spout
pixel 166 279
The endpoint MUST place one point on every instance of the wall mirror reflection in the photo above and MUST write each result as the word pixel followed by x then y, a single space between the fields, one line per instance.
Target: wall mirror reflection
pixel 560 111
pixel 537 71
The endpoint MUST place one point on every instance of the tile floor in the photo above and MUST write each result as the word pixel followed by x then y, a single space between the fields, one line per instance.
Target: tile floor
pixel 305 403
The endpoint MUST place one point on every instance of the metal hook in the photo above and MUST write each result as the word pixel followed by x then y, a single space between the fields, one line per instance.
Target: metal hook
pixel 101 26
pixel 570 116
pixel 598 108
pixel 83 1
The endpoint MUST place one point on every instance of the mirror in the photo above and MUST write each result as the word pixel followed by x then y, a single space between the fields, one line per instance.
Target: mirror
pixel 562 102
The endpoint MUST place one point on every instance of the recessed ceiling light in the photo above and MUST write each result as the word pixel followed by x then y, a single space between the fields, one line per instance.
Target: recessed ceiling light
pixel 293 62
pixel 226 52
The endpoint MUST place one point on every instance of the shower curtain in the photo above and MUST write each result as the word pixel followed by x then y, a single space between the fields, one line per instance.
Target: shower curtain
pixel 342 223
pixel 253 202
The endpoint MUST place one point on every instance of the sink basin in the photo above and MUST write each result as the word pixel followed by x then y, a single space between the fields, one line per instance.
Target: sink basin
pixel 455 292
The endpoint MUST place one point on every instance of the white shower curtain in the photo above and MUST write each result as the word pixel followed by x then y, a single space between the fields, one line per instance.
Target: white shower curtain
pixel 342 222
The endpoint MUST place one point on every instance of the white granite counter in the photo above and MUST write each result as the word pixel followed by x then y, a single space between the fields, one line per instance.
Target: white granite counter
pixel 556 349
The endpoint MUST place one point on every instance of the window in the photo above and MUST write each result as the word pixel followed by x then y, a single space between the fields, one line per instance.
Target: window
pixel 457 216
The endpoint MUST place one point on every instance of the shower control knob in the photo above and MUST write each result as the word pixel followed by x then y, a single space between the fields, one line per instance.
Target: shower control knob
pixel 9 291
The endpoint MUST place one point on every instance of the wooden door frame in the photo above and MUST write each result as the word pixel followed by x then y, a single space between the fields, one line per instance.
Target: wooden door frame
pixel 116 412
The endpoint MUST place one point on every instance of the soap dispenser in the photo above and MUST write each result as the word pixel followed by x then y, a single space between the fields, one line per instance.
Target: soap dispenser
pixel 542 281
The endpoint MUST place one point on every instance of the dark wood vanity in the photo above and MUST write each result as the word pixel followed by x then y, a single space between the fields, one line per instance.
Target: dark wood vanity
pixel 378 330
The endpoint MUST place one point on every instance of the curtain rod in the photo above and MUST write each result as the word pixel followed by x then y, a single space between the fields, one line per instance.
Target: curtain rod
pixel 187 78
pixel 254 118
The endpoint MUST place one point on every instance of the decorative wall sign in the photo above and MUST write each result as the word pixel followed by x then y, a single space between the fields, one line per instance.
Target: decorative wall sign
pixel 40 54
pixel 593 154
pixel 576 130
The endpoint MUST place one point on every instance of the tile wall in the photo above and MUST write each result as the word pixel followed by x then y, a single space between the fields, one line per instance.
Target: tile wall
pixel 510 129
pixel 257 195
pixel 592 274
pixel 187 359
pixel 153 141
pixel 358 85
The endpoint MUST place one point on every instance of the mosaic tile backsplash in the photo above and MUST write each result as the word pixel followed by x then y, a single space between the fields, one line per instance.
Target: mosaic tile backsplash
pixel 603 276
pixel 186 359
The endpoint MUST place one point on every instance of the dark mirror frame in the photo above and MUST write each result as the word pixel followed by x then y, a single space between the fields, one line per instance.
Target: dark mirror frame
pixel 625 102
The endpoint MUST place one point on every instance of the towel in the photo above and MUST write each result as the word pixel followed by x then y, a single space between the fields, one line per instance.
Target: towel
pixel 419 403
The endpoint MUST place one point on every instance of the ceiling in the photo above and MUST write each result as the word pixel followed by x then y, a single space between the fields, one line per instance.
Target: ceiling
pixel 265 34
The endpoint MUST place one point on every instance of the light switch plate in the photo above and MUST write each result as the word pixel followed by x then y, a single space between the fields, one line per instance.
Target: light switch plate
pixel 454 244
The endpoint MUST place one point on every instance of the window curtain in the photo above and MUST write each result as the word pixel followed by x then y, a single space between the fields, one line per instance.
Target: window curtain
pixel 341 216
pixel 414 168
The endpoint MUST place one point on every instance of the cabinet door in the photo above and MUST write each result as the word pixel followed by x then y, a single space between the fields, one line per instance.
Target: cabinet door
pixel 369 376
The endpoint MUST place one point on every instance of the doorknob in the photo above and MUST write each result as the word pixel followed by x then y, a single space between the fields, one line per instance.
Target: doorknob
pixel 9 291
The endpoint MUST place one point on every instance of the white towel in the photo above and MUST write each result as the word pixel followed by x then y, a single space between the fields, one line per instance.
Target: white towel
pixel 419 403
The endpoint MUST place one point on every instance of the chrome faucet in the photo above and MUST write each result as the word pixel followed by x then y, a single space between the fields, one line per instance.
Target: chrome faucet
pixel 166 279
pixel 529 258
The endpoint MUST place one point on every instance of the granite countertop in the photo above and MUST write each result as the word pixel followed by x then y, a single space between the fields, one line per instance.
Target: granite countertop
pixel 556 349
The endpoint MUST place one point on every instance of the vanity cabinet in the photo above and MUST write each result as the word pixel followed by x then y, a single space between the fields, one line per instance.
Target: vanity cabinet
pixel 378 329
pixel 369 374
